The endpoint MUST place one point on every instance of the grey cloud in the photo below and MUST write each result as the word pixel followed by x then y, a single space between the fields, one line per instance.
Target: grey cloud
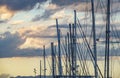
pixel 20 4
pixel 77 5
pixel 4 76
pixel 9 44
pixel 45 16
pixel 67 2
pixel 1 21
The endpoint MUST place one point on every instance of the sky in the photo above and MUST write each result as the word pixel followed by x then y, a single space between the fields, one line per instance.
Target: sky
pixel 27 25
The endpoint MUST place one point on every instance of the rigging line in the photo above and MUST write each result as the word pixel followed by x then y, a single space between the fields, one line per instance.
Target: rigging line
pixel 80 58
pixel 102 4
pixel 110 52
pixel 64 55
pixel 86 14
pixel 86 58
pixel 86 53
pixel 49 65
pixel 82 51
pixel 84 41
pixel 117 35
pixel 113 65
pixel 69 52
pixel 89 39
pixel 85 29
pixel 63 59
pixel 93 58
pixel 83 59
pixel 115 29
pixel 55 54
pixel 111 55
pixel 97 5
pixel 80 61
pixel 63 48
pixel 113 45
pixel 66 50
pixel 83 47
pixel 89 49
pixel 102 8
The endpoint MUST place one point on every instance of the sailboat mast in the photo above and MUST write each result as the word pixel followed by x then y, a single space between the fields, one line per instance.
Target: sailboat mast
pixel 59 50
pixel 53 60
pixel 66 58
pixel 74 43
pixel 107 39
pixel 44 54
pixel 94 38
pixel 40 68
pixel 69 52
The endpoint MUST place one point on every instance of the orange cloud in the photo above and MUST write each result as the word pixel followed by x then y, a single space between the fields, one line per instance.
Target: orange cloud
pixel 34 43
pixel 35 36
pixel 16 22
pixel 59 14
pixel 52 6
pixel 5 13
pixel 30 30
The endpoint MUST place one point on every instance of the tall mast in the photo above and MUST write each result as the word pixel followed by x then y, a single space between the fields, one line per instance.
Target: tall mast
pixel 53 60
pixel 70 49
pixel 74 43
pixel 69 53
pixel 44 54
pixel 59 50
pixel 40 68
pixel 107 40
pixel 66 49
pixel 94 38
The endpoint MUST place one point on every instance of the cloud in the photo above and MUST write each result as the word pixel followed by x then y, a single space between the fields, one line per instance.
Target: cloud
pixel 27 41
pixel 49 9
pixel 52 6
pixel 9 8
pixel 16 22
pixel 2 21
pixel 57 8
pixel 35 43
pixel 66 2
pixel 5 13
pixel 58 14
pixel 37 36
pixel 16 5
pixel 9 43
pixel 45 15
pixel 4 76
